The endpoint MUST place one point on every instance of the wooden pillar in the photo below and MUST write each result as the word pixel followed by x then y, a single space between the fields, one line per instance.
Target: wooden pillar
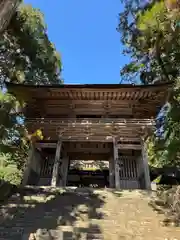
pixel 64 171
pixel 145 164
pixel 111 172
pixel 116 165
pixel 56 163
pixel 27 169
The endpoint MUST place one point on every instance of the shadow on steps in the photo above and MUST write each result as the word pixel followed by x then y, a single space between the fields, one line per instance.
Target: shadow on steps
pixel 49 213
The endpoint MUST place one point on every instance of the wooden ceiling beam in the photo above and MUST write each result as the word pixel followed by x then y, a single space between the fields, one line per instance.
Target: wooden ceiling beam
pixel 88 156
pixel 87 150
pixel 96 95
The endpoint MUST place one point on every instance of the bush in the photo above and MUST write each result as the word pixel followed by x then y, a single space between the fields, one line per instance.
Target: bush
pixel 11 174
pixel 171 201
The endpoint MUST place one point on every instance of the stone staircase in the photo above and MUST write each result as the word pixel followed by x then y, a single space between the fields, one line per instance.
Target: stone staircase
pixel 43 213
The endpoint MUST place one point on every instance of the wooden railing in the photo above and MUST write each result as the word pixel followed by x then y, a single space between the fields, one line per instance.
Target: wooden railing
pixel 90 121
pixel 88 128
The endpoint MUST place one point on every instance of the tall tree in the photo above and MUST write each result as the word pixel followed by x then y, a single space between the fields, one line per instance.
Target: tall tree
pixel 26 56
pixel 151 36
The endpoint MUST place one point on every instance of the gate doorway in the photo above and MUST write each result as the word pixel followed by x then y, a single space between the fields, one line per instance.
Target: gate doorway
pixel 88 174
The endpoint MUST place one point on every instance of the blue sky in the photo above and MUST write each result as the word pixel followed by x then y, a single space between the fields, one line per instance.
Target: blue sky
pixel 84 33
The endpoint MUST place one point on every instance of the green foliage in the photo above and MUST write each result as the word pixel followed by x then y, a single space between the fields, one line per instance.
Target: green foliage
pixel 8 114
pixel 150 33
pixel 152 19
pixel 153 156
pixel 26 56
pixel 151 37
pixel 11 174
pixel 12 139
pixel 158 179
pixel 172 127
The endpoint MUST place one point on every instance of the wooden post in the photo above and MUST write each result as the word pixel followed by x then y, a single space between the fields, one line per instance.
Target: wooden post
pixel 56 164
pixel 28 165
pixel 145 164
pixel 66 168
pixel 116 166
pixel 111 172
pixel 64 171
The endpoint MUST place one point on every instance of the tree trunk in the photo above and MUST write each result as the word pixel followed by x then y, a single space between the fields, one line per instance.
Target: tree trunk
pixel 7 9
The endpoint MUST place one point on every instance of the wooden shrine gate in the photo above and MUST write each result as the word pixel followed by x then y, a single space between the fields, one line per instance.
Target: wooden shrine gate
pixel 116 115
pixel 130 168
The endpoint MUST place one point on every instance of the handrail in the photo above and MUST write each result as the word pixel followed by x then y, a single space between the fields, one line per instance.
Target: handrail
pixel 91 121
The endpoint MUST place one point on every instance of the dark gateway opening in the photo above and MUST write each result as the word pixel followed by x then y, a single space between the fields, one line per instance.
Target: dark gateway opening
pixel 88 174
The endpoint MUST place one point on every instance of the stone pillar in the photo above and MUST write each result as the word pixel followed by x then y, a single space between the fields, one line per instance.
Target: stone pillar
pixel 116 166
pixel 56 164
pixel 64 171
pixel 145 165
pixel 111 172
pixel 29 161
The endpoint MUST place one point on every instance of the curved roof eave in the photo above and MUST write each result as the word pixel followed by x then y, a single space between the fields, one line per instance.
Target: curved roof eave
pixel 88 86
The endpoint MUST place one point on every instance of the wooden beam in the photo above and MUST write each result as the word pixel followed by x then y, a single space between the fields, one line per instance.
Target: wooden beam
pixel 64 171
pixel 56 164
pixel 84 138
pixel 45 145
pixel 111 172
pixel 129 146
pixel 87 150
pixel 116 166
pixel 145 164
pixel 90 121
pixel 88 156
pixel 90 128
